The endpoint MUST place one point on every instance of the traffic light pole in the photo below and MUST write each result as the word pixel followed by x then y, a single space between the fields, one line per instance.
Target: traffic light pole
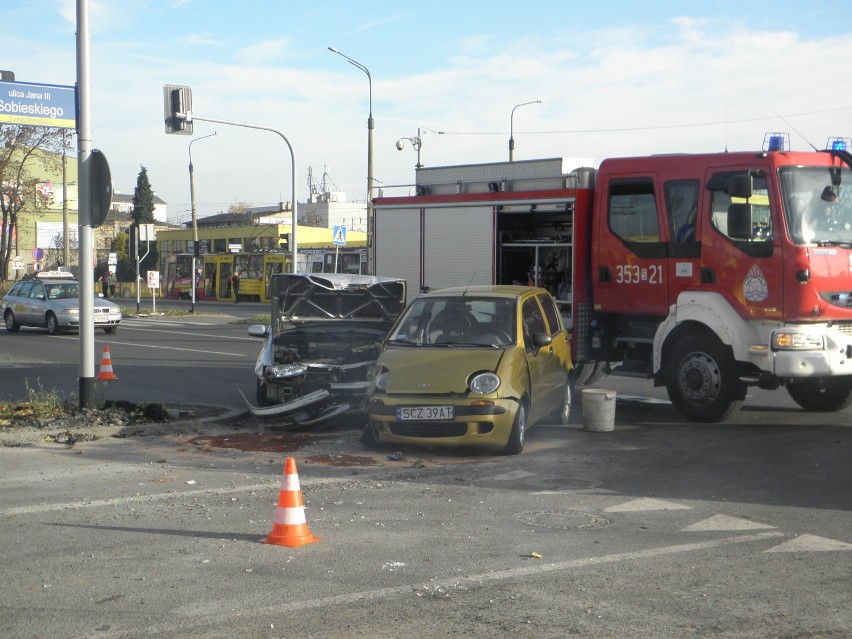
pixel 295 217
pixel 179 118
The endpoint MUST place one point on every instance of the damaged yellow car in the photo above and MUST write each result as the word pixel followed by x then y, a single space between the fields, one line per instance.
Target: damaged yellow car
pixel 473 366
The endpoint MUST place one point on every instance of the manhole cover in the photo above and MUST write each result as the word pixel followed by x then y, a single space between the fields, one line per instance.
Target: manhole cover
pixel 563 519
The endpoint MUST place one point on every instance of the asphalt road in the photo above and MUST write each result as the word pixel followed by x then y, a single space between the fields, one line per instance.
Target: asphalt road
pixel 200 358
pixel 657 529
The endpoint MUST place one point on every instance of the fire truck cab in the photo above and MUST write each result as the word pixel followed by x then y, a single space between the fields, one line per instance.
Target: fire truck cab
pixel 705 273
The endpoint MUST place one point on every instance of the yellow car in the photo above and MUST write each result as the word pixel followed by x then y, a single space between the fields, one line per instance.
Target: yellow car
pixel 472 366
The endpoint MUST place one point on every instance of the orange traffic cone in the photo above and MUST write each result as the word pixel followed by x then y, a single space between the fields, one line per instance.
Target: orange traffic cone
pixel 106 374
pixel 290 527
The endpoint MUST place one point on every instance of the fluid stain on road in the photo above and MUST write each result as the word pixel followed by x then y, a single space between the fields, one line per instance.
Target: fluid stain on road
pixel 260 442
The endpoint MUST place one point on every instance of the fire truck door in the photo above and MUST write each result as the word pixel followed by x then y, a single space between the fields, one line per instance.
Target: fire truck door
pixel 630 253
pixel 683 266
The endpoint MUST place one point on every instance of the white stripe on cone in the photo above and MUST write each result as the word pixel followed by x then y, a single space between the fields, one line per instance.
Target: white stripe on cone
pixel 290 516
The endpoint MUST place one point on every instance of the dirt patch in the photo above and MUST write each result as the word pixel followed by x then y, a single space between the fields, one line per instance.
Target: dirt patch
pixel 21 425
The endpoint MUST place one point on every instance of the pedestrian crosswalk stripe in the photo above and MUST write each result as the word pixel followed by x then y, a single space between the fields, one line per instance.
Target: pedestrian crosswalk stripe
pixel 811 543
pixel 646 503
pixel 726 522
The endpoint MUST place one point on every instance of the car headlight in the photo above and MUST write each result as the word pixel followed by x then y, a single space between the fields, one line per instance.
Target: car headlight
pixel 285 371
pixel 70 311
pixel 380 380
pixel 484 383
pixel 797 341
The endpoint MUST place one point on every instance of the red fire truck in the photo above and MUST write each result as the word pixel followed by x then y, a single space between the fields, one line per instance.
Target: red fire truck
pixel 705 273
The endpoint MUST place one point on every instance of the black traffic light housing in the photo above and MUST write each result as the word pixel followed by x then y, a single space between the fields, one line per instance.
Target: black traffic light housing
pixel 285 241
pixel 177 109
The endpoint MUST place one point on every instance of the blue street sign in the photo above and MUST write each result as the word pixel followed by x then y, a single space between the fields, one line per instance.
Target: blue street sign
pixel 38 104
pixel 339 238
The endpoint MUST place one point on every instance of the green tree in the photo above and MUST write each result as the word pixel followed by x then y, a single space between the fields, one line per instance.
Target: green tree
pixel 126 269
pixel 22 148
pixel 143 213
pixel 143 199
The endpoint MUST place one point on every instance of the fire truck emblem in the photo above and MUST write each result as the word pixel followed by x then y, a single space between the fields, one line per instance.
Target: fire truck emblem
pixel 755 288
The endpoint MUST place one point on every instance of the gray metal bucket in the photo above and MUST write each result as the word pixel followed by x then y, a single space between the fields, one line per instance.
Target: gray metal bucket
pixel 598 410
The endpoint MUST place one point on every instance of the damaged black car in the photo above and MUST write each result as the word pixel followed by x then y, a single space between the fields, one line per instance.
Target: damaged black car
pixel 324 336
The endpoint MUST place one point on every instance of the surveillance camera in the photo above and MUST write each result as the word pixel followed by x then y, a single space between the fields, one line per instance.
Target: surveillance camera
pixel 399 145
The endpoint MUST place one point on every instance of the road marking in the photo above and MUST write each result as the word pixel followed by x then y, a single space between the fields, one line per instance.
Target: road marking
pixel 367 596
pixel 726 522
pixel 175 348
pixel 510 476
pixel 88 503
pixel 187 333
pixel 811 543
pixel 646 503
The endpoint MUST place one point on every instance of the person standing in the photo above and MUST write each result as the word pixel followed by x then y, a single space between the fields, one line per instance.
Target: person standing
pixel 111 281
pixel 105 283
pixel 236 287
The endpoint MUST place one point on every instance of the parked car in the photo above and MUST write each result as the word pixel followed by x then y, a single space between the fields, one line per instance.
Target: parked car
pixel 325 335
pixel 473 366
pixel 51 301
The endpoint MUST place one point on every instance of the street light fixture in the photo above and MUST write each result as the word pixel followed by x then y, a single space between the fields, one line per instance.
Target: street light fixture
pixel 416 144
pixel 370 125
pixel 512 127
pixel 195 251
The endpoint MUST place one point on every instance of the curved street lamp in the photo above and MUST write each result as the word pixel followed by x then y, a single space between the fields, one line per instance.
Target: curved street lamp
pixel 512 127
pixel 370 126
pixel 195 251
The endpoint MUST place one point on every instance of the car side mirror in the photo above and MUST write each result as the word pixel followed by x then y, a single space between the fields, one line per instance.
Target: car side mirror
pixel 258 330
pixel 541 339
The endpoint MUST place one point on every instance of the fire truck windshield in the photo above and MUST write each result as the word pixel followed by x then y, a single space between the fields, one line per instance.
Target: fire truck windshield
pixel 817 210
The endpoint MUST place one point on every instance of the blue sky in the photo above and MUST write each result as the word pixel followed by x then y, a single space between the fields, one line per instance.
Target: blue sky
pixel 653 77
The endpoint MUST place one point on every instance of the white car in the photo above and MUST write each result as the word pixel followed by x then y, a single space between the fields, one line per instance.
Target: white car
pixel 52 302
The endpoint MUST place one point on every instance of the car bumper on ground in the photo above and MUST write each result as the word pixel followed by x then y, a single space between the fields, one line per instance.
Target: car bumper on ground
pixel 474 422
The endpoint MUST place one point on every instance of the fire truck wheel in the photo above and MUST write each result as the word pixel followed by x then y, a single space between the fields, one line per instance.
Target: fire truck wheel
pixel 826 394
pixel 586 373
pixel 702 383
pixel 516 438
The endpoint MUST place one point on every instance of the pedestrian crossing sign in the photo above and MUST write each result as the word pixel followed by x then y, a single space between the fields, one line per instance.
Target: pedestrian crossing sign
pixel 339 236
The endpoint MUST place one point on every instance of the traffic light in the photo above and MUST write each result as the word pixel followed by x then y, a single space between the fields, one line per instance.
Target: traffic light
pixel 133 242
pixel 285 241
pixel 177 109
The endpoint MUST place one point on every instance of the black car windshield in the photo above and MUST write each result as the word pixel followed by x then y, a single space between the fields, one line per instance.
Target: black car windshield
pixel 457 320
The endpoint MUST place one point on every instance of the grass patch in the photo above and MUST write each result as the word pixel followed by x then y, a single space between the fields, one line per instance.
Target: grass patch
pixel 40 404
pixel 257 319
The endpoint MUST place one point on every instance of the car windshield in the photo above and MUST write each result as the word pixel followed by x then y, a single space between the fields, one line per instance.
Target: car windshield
pixel 818 204
pixel 62 290
pixel 458 320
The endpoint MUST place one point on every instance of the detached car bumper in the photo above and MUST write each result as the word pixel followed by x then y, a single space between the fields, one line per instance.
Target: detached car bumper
pixel 472 424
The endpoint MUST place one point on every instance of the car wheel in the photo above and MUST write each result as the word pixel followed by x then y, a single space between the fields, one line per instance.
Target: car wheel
pixel 824 394
pixel 109 330
pixel 563 415
pixel 11 324
pixel 368 435
pixel 52 324
pixel 516 438
pixel 260 394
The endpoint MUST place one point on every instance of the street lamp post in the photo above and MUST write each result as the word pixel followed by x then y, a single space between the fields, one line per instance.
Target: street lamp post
pixel 512 128
pixel 370 126
pixel 195 251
